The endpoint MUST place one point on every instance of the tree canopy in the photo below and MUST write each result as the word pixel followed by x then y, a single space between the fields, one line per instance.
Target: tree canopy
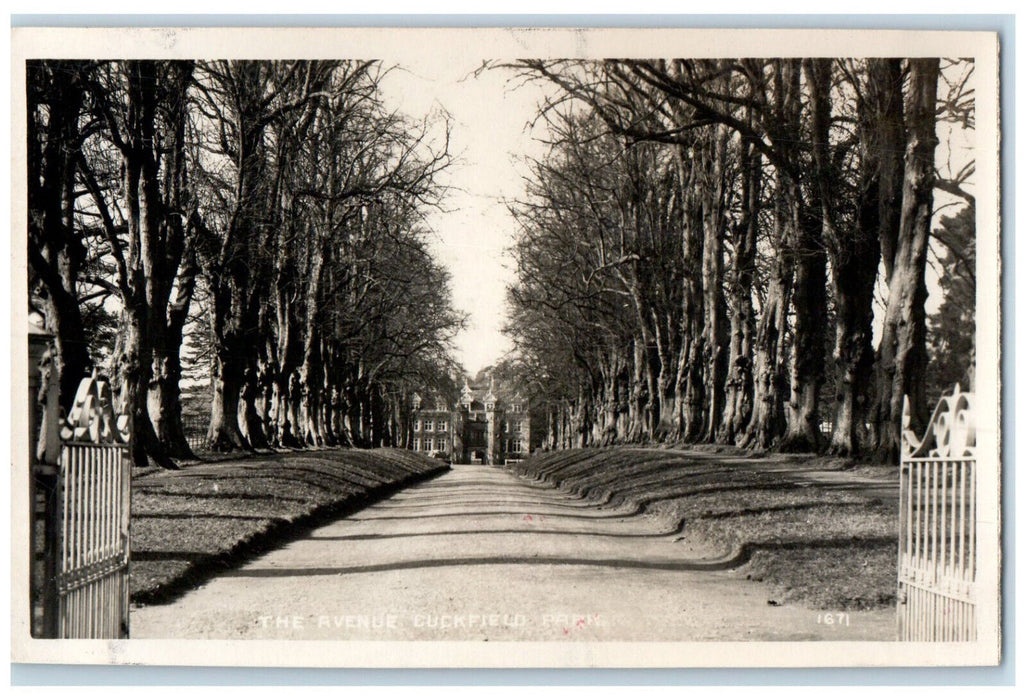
pixel 268 217
pixel 701 249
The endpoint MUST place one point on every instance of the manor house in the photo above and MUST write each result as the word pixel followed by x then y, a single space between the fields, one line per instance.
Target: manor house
pixel 488 426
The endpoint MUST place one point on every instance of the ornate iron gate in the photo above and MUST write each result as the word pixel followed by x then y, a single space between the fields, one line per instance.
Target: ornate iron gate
pixel 81 533
pixel 937 537
pixel 94 496
pixel 92 575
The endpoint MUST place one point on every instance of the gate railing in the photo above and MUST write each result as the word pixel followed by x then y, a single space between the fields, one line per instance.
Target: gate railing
pixel 92 576
pixel 937 535
pixel 94 494
pixel 81 503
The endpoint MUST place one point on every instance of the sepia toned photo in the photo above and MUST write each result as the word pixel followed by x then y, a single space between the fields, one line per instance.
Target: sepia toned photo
pixel 506 347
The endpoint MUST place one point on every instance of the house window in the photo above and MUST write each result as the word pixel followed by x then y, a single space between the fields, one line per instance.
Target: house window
pixel 441 444
pixel 428 425
pixel 441 426
pixel 416 444
pixel 517 446
pixel 428 445
pixel 416 425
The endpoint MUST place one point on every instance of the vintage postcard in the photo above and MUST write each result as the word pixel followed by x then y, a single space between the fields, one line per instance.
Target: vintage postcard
pixel 506 347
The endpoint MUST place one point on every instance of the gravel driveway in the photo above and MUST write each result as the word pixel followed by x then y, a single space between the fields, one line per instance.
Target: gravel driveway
pixel 478 554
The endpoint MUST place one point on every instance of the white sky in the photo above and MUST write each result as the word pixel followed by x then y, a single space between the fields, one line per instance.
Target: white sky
pixel 489 131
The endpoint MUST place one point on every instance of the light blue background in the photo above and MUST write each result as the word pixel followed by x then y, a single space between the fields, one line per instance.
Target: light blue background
pixel 1004 25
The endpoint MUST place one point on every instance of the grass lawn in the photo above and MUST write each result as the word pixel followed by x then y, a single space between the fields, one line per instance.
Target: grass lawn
pixel 822 532
pixel 189 524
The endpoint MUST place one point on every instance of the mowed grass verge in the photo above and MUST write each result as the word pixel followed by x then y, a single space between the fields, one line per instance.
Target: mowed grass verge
pixel 821 532
pixel 188 525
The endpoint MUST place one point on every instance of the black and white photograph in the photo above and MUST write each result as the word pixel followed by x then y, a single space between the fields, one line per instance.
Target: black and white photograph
pixel 506 347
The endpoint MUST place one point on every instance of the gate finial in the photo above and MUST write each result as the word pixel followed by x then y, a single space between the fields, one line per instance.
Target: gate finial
pixel 951 431
pixel 92 417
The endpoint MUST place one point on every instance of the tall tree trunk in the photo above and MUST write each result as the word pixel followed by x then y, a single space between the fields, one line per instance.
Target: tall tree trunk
pixel 264 405
pixel 327 412
pixel 714 303
pixel 310 405
pixel 807 352
pixel 855 257
pixel 902 354
pixel 651 370
pixel 341 425
pixel 224 433
pixel 767 422
pixel 293 400
pixel 175 265
pixel 691 387
pixel 63 318
pixel 666 380
pixel 133 361
pixel 311 372
pixel 250 423
pixel 366 425
pixel 55 253
pixel 884 95
pixel 165 393
pixel 809 300
pixel 164 396
pixel 741 280
pixel 155 243
pixel 638 393
pixel 611 400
